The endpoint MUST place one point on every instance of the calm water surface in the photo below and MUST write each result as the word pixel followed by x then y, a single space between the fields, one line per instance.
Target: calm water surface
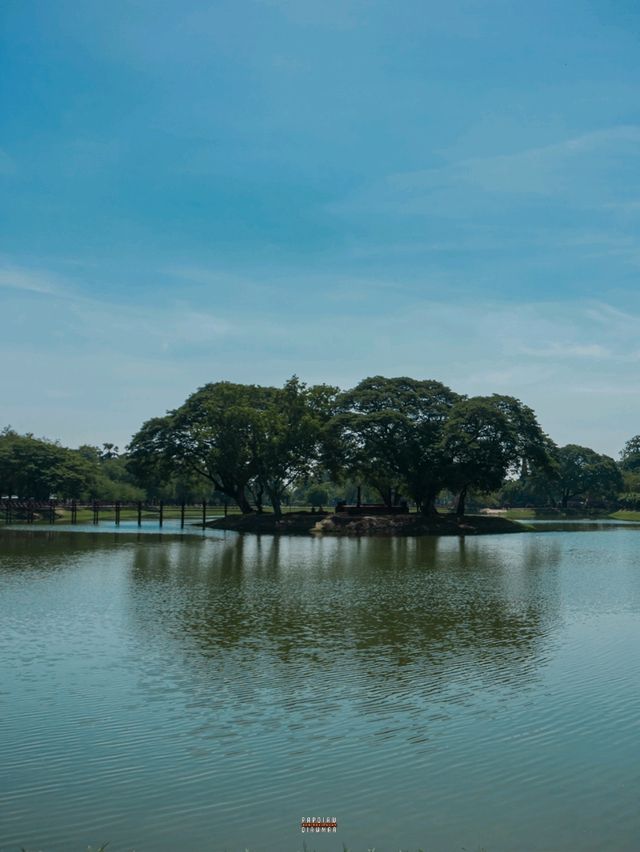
pixel 205 692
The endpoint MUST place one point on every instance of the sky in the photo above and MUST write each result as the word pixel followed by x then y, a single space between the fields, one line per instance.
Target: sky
pixel 244 190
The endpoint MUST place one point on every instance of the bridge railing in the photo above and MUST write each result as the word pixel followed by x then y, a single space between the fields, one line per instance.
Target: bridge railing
pixel 14 510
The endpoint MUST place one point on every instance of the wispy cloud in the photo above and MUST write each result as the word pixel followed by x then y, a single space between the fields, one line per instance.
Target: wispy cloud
pixel 567 350
pixel 616 321
pixel 334 14
pixel 548 169
pixel 630 206
pixel 202 275
pixel 156 354
pixel 8 165
pixel 170 329
pixel 31 280
pixel 588 168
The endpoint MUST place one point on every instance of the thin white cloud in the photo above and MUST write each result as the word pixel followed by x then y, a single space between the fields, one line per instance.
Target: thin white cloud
pixel 616 321
pixel 567 350
pixel 334 14
pixel 201 275
pixel 31 280
pixel 8 165
pixel 158 354
pixel 588 169
pixel 630 206
pixel 542 170
pixel 612 390
pixel 170 328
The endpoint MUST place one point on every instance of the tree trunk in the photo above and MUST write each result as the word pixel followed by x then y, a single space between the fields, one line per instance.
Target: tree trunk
pixel 276 502
pixel 565 500
pixel 462 496
pixel 428 504
pixel 243 503
pixel 385 494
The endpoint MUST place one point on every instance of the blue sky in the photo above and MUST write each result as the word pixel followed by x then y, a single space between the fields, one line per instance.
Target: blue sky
pixel 243 190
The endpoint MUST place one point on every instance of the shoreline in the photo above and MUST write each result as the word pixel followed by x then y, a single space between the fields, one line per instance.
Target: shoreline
pixel 316 523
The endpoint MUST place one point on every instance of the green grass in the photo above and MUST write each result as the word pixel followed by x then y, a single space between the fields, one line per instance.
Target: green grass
pixel 626 515
pixel 524 514
pixel 519 514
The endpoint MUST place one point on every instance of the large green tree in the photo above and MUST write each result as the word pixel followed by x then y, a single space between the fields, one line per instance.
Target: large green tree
pixel 630 455
pixel 244 439
pixel 582 472
pixel 211 435
pixel 387 432
pixel 287 437
pixel 488 438
pixel 38 469
pixel 113 481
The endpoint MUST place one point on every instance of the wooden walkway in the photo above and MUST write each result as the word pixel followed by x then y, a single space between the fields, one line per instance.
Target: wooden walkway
pixel 29 511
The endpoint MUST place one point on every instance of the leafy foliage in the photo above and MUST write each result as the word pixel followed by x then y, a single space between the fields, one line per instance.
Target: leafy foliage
pixel 33 468
pixel 630 455
pixel 387 432
pixel 399 438
pixel 244 439
pixel 581 472
pixel 488 438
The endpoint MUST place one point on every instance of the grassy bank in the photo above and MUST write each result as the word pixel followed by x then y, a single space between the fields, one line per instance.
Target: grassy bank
pixel 575 514
pixel 626 515
pixel 520 514
pixel 551 514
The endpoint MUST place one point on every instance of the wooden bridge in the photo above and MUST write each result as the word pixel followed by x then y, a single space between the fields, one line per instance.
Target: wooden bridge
pixel 29 511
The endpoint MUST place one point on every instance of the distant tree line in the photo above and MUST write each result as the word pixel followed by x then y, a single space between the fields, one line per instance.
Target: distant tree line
pixel 39 469
pixel 397 439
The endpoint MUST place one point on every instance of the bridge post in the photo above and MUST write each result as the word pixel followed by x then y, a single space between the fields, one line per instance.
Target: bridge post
pixel 117 513
pixel 161 517
pixel 204 514
pixel 182 515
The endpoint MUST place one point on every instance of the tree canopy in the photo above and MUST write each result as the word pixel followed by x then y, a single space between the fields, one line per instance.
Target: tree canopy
pixel 401 438
pixel 581 472
pixel 630 455
pixel 247 440
pixel 387 432
pixel 38 469
pixel 487 438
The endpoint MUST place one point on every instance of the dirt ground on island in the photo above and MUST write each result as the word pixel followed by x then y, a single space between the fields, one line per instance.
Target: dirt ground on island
pixel 316 523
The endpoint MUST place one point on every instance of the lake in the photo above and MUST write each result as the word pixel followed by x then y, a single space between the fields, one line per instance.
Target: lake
pixel 206 691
